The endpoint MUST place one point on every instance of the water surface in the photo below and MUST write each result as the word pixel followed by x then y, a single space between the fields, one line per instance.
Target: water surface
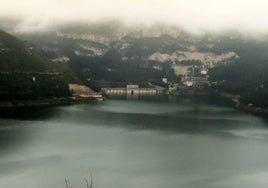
pixel 153 142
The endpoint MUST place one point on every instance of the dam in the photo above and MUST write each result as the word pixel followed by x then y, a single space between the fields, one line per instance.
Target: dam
pixel 131 90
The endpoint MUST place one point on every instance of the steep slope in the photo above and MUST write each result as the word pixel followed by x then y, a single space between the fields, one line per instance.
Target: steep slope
pixel 248 77
pixel 116 55
pixel 26 73
pixel 16 55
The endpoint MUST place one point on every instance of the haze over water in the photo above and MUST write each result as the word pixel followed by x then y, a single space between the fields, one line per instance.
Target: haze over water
pixel 151 142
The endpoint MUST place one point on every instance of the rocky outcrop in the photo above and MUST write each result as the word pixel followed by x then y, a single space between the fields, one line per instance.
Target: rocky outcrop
pixel 82 91
pixel 203 57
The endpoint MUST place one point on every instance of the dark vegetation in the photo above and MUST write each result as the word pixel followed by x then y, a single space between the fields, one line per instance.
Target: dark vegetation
pixel 247 77
pixel 19 56
pixel 110 67
pixel 26 73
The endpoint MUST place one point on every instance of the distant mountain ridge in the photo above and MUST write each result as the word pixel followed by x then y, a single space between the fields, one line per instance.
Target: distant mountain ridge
pixel 117 54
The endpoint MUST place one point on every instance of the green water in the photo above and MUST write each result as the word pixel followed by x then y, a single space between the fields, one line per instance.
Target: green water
pixel 156 142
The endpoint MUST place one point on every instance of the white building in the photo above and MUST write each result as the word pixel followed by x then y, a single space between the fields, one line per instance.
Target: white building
pixel 133 89
pixel 165 80
pixel 204 72
pixel 188 83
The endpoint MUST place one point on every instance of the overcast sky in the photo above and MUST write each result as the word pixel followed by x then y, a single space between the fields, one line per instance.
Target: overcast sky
pixel 249 15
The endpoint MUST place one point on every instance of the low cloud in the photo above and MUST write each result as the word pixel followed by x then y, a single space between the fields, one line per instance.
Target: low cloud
pixel 192 15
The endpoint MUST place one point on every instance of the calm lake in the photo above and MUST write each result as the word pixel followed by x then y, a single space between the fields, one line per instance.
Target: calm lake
pixel 153 142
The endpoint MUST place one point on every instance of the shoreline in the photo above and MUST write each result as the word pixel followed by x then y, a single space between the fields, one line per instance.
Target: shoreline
pixel 46 102
pixel 235 99
pixel 245 107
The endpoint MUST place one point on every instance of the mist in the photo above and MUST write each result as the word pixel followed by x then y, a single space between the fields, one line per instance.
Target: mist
pixel 191 15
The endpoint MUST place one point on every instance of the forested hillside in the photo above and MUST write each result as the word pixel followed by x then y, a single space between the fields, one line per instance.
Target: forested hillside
pixel 25 73
pixel 113 54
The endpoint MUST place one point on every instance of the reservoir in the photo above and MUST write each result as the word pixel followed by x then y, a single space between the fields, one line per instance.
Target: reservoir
pixel 146 142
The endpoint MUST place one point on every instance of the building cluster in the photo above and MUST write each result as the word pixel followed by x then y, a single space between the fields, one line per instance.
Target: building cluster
pixel 191 77
pixel 196 76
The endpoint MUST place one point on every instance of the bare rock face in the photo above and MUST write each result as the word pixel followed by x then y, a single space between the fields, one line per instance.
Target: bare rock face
pixel 204 57
pixel 80 89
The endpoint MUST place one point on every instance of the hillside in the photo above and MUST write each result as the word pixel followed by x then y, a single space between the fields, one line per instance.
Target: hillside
pixel 25 73
pixel 121 54
pixel 16 55
pixel 113 54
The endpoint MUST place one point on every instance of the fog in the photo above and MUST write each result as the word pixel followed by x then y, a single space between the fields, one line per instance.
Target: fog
pixel 192 15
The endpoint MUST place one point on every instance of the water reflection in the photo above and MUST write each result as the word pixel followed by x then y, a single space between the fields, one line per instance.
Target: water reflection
pixel 149 142
pixel 179 115
pixel 27 113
